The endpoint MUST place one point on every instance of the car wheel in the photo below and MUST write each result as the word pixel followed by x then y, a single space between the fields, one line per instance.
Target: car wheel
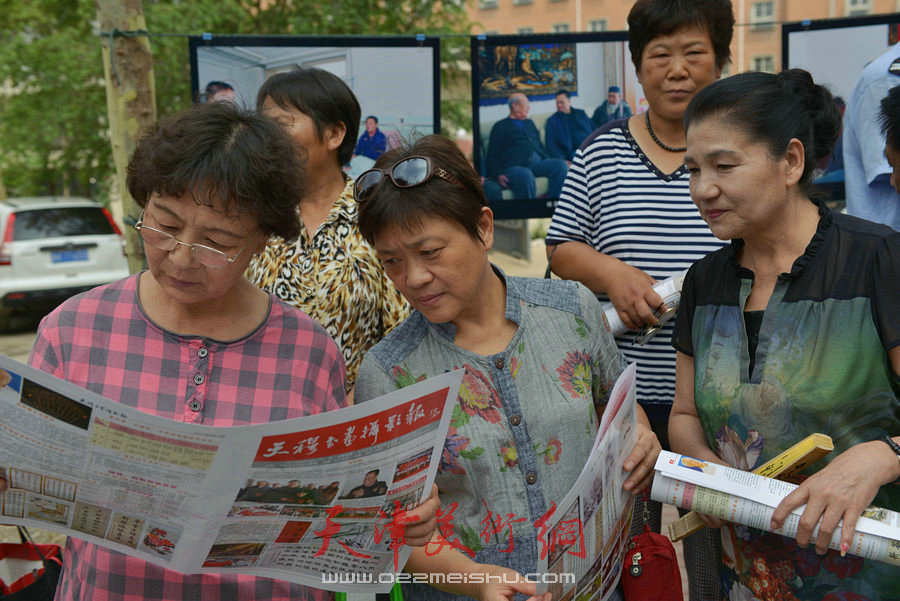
pixel 5 320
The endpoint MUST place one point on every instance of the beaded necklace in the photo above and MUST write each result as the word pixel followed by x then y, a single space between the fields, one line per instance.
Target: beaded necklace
pixel 657 140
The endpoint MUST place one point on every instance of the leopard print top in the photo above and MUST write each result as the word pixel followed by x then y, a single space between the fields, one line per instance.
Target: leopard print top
pixel 335 278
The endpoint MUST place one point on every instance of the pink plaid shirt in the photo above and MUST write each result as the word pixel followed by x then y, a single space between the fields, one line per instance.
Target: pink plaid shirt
pixel 103 341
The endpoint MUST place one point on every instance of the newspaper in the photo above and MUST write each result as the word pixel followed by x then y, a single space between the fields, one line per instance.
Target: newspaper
pixel 750 499
pixel 670 291
pixel 587 534
pixel 294 499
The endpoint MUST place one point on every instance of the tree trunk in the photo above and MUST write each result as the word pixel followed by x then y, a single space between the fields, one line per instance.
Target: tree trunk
pixel 130 100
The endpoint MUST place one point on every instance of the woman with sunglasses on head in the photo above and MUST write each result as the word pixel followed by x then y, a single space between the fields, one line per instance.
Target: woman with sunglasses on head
pixel 625 219
pixel 538 357
pixel 190 339
pixel 329 272
pixel 792 329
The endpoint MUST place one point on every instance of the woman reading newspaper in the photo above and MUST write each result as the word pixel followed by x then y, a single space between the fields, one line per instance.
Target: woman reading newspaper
pixel 538 355
pixel 190 338
pixel 792 329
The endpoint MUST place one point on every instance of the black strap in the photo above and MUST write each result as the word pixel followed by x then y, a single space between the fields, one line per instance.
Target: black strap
pixel 547 272
pixel 25 537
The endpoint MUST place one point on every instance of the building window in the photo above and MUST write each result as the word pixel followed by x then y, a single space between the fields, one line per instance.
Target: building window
pixel 560 27
pixel 601 25
pixel 525 30
pixel 762 15
pixel 858 8
pixel 521 2
pixel 763 11
pixel 487 4
pixel 764 63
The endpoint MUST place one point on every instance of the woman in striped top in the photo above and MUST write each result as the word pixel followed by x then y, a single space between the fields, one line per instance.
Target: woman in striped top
pixel 625 219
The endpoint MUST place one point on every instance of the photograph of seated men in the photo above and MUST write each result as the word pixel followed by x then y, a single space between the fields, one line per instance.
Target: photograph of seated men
pixel 567 128
pixel 515 155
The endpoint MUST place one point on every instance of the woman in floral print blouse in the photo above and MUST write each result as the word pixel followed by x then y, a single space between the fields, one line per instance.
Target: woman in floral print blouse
pixel 538 356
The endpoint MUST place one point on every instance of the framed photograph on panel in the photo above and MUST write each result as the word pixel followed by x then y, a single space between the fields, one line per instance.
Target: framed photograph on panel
pixel 535 99
pixel 395 79
pixel 835 51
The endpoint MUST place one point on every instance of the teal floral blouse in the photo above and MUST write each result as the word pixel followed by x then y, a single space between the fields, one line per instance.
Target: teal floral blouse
pixel 526 417
pixel 821 365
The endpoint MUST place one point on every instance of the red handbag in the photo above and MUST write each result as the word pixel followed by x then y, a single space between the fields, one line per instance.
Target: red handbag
pixel 651 567
pixel 29 571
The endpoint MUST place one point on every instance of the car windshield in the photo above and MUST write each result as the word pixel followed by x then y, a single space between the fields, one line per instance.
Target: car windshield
pixel 60 221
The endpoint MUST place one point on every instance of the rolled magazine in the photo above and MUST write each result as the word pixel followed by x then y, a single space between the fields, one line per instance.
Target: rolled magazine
pixel 750 499
pixel 783 466
pixel 669 289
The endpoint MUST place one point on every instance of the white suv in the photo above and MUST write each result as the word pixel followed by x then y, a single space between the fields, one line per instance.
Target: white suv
pixel 52 248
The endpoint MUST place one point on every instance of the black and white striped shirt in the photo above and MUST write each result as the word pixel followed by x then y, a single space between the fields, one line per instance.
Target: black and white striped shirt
pixel 617 201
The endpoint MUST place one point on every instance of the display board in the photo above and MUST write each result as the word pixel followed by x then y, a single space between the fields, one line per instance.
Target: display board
pixel 396 79
pixel 539 66
pixel 835 51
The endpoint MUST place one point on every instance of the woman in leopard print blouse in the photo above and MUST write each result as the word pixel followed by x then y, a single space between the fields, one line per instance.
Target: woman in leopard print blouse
pixel 330 272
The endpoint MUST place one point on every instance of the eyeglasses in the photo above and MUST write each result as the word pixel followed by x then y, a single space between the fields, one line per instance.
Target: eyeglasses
pixel 407 173
pixel 204 254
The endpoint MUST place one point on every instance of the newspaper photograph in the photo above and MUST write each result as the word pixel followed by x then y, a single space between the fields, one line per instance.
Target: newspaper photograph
pixel 587 533
pixel 750 499
pixel 294 499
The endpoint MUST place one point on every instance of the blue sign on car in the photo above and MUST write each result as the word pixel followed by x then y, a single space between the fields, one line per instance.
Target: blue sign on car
pixel 67 256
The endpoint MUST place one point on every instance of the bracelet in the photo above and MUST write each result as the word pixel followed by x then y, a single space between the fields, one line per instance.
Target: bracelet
pixel 895 448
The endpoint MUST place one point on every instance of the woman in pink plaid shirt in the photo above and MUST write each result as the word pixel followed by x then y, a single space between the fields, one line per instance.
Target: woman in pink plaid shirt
pixel 190 338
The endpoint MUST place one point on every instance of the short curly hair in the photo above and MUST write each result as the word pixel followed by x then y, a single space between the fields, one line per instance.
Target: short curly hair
pixel 236 160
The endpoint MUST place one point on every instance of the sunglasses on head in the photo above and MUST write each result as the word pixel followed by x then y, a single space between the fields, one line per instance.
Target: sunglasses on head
pixel 406 173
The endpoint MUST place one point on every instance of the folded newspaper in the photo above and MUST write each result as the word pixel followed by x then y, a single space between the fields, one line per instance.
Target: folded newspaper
pixel 750 499
pixel 583 540
pixel 295 500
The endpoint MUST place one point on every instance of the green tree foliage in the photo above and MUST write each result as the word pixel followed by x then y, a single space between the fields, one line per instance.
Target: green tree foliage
pixel 53 123
pixel 52 101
